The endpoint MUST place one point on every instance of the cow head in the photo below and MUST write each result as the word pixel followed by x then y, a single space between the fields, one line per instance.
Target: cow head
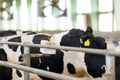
pixel 76 37
pixel 90 41
pixel 95 63
pixel 72 38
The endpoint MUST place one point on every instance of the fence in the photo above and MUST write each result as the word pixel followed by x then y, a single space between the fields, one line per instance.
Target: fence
pixel 109 56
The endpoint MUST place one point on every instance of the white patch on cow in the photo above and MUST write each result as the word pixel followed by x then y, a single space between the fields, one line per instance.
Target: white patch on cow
pixel 110 45
pixel 77 59
pixel 11 55
pixel 46 50
pixel 40 60
pixel 27 39
pixel 103 66
pixel 15 76
pixel 19 32
pixel 56 38
pixel 81 41
pixel 48 68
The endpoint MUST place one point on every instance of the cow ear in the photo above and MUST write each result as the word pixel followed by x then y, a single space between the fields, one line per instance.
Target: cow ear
pixel 88 34
pixel 89 30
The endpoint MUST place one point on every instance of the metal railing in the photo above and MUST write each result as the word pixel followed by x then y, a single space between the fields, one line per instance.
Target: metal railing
pixel 109 56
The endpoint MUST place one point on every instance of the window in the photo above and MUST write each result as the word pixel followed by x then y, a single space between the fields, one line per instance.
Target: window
pixel 106 22
pixel 83 11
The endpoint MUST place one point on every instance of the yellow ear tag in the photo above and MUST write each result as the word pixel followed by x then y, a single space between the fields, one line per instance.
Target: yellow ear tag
pixel 87 42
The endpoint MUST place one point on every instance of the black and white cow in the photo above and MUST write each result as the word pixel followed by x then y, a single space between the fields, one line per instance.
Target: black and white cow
pixel 77 64
pixel 95 64
pixel 4 71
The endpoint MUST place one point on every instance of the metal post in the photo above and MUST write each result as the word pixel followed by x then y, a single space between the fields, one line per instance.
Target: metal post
pixel 110 66
pixel 26 61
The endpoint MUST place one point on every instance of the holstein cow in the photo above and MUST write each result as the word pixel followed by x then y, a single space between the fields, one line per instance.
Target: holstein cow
pixel 14 53
pixel 4 71
pixel 95 64
pixel 77 64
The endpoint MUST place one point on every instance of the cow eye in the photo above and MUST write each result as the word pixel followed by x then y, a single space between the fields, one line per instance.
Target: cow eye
pixel 81 41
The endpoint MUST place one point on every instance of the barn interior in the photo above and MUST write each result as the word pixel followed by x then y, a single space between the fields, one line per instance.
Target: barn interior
pixel 54 16
pixel 59 15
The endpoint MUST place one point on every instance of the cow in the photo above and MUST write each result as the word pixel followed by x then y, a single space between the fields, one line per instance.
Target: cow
pixel 95 64
pixel 77 64
pixel 4 71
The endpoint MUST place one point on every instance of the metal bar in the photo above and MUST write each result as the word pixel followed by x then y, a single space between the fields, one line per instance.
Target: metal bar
pixel 88 50
pixel 39 55
pixel 38 71
pixel 109 53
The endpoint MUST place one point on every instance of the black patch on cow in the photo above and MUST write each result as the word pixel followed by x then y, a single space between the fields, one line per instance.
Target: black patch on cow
pixel 37 40
pixel 5 72
pixel 98 43
pixel 31 33
pixel 14 47
pixel 22 49
pixel 21 58
pixel 53 62
pixel 71 68
pixel 22 52
pixel 18 73
pixel 72 38
pixel 7 33
pixel 96 62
